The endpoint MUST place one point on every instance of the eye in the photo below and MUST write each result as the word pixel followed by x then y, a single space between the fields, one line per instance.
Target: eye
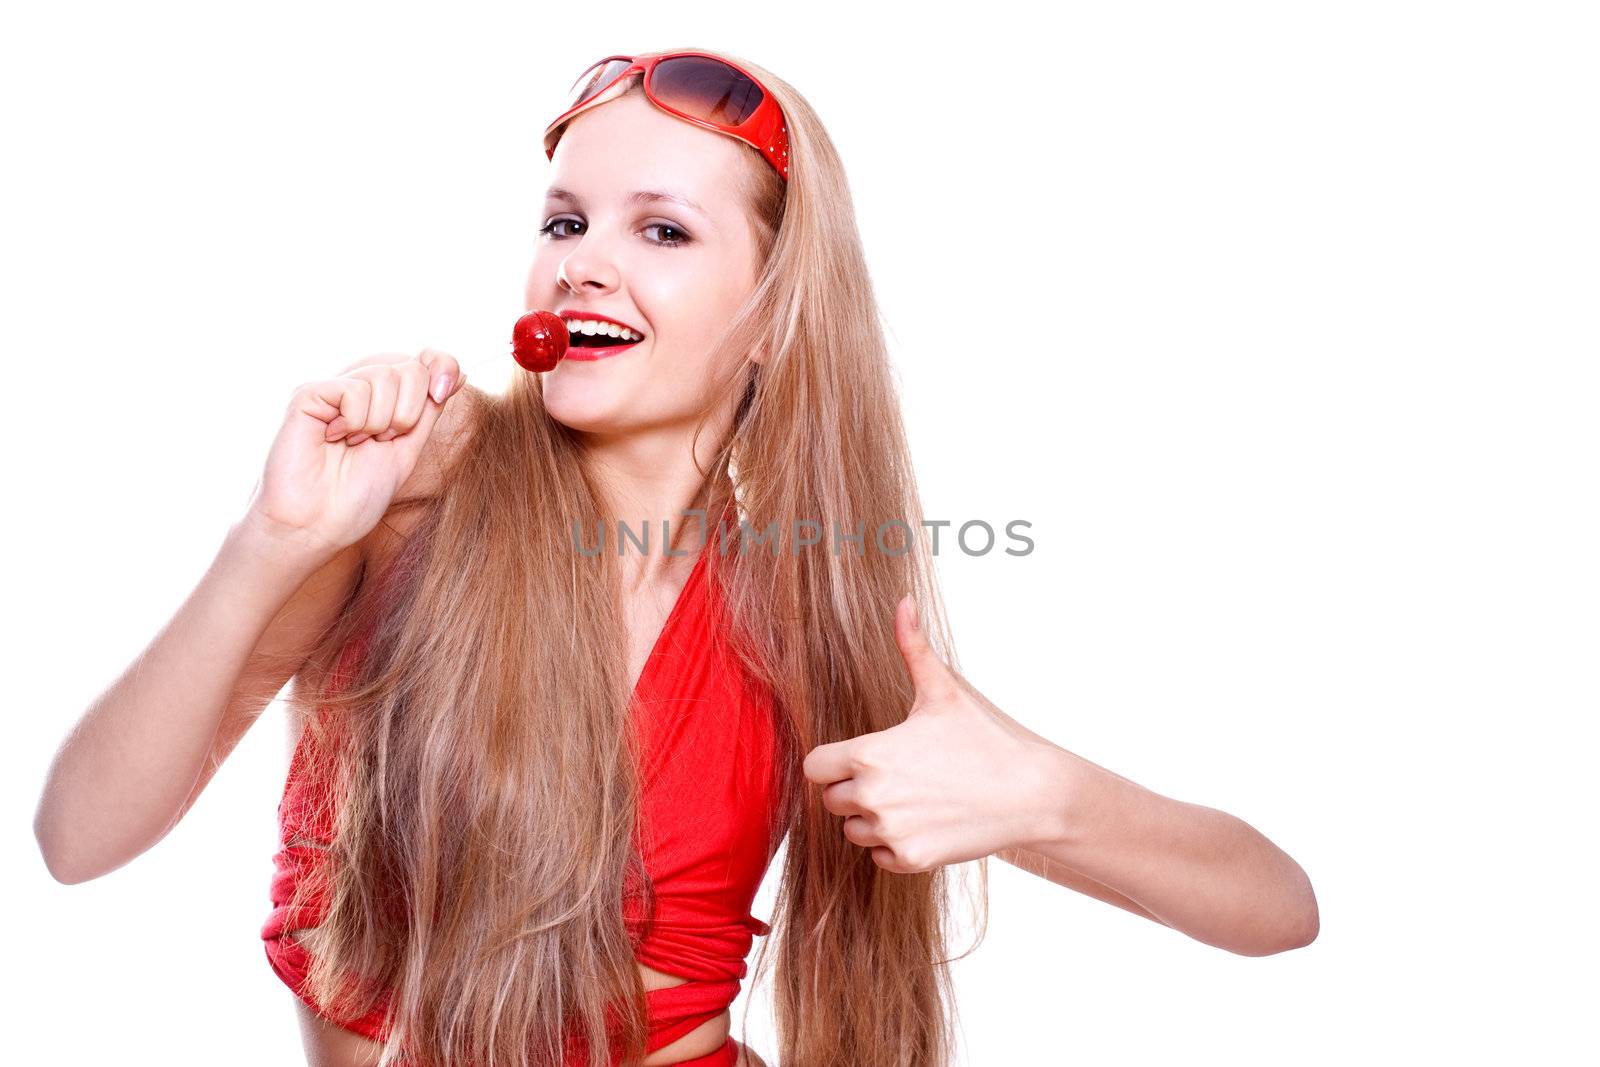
pixel 548 229
pixel 672 235
pixel 680 238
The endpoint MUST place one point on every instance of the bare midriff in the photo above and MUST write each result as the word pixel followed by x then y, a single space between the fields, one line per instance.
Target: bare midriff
pixel 330 1045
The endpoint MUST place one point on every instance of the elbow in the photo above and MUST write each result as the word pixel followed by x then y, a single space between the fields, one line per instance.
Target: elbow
pixel 63 870
pixel 58 870
pixel 1310 927
pixel 1313 921
pixel 1299 938
pixel 1310 919
pixel 1304 921
pixel 1297 930
pixel 63 867
pixel 65 875
pixel 53 861
pixel 1302 934
pixel 76 851
pixel 1303 930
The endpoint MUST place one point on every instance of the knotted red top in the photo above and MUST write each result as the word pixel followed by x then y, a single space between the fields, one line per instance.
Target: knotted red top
pixel 709 781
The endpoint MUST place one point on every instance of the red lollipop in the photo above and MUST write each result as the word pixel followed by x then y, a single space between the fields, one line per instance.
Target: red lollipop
pixel 539 340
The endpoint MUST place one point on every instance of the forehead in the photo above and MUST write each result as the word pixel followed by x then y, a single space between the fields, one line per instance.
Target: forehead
pixel 613 151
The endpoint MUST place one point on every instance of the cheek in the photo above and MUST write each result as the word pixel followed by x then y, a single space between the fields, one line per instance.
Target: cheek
pixel 689 315
pixel 687 379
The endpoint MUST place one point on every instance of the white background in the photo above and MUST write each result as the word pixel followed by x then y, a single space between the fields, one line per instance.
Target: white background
pixel 1293 372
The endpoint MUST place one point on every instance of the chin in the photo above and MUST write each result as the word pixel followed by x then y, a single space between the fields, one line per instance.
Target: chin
pixel 586 414
pixel 593 422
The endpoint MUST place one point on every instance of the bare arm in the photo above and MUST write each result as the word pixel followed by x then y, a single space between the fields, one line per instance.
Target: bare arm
pixel 1028 860
pixel 138 758
pixel 1201 871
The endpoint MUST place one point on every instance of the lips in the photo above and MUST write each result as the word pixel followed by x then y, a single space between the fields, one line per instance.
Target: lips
pixel 590 347
pixel 590 352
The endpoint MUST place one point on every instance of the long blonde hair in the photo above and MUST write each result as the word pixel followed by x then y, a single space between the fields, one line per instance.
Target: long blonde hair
pixel 482 756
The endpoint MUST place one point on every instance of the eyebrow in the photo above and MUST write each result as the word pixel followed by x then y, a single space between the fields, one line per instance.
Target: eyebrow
pixel 641 196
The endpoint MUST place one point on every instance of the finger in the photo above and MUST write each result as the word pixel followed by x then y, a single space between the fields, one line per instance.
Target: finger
pixel 828 763
pixel 885 857
pixel 860 831
pixel 385 381
pixel 444 373
pixel 320 400
pixel 409 401
pixel 351 397
pixel 842 798
pixel 929 675
pixel 412 443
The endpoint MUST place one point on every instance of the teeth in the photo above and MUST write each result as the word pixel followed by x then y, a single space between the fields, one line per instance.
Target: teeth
pixel 593 327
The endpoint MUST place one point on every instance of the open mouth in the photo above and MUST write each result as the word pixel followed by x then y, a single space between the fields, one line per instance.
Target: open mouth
pixel 584 340
pixel 596 338
pixel 581 348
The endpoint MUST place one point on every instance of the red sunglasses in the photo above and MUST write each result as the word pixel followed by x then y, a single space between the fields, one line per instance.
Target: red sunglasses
pixel 694 86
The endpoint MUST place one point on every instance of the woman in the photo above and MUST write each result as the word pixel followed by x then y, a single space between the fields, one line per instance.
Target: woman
pixel 534 787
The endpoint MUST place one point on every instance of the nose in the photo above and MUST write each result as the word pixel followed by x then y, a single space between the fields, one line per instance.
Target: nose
pixel 587 269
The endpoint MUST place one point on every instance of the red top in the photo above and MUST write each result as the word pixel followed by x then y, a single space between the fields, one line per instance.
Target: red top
pixel 708 777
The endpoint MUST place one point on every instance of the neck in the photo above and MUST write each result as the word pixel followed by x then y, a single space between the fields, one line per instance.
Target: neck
pixel 649 480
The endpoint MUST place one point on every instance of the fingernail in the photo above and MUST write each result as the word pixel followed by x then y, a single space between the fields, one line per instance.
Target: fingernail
pixel 357 439
pixel 441 388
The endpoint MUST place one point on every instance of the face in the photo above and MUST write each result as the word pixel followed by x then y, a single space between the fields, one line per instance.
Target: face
pixel 674 272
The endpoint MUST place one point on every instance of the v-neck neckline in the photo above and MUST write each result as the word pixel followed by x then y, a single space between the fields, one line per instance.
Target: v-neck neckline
pixel 679 605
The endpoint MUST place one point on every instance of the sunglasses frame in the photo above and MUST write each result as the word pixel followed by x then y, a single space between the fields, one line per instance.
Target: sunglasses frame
pixel 764 130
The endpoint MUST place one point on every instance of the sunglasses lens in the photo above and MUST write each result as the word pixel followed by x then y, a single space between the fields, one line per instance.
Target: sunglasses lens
pixel 595 79
pixel 706 88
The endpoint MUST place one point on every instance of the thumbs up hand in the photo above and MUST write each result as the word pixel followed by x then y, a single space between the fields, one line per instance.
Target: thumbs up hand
pixel 957 780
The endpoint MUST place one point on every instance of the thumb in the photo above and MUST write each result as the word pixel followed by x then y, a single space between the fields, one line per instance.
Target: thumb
pixel 928 673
